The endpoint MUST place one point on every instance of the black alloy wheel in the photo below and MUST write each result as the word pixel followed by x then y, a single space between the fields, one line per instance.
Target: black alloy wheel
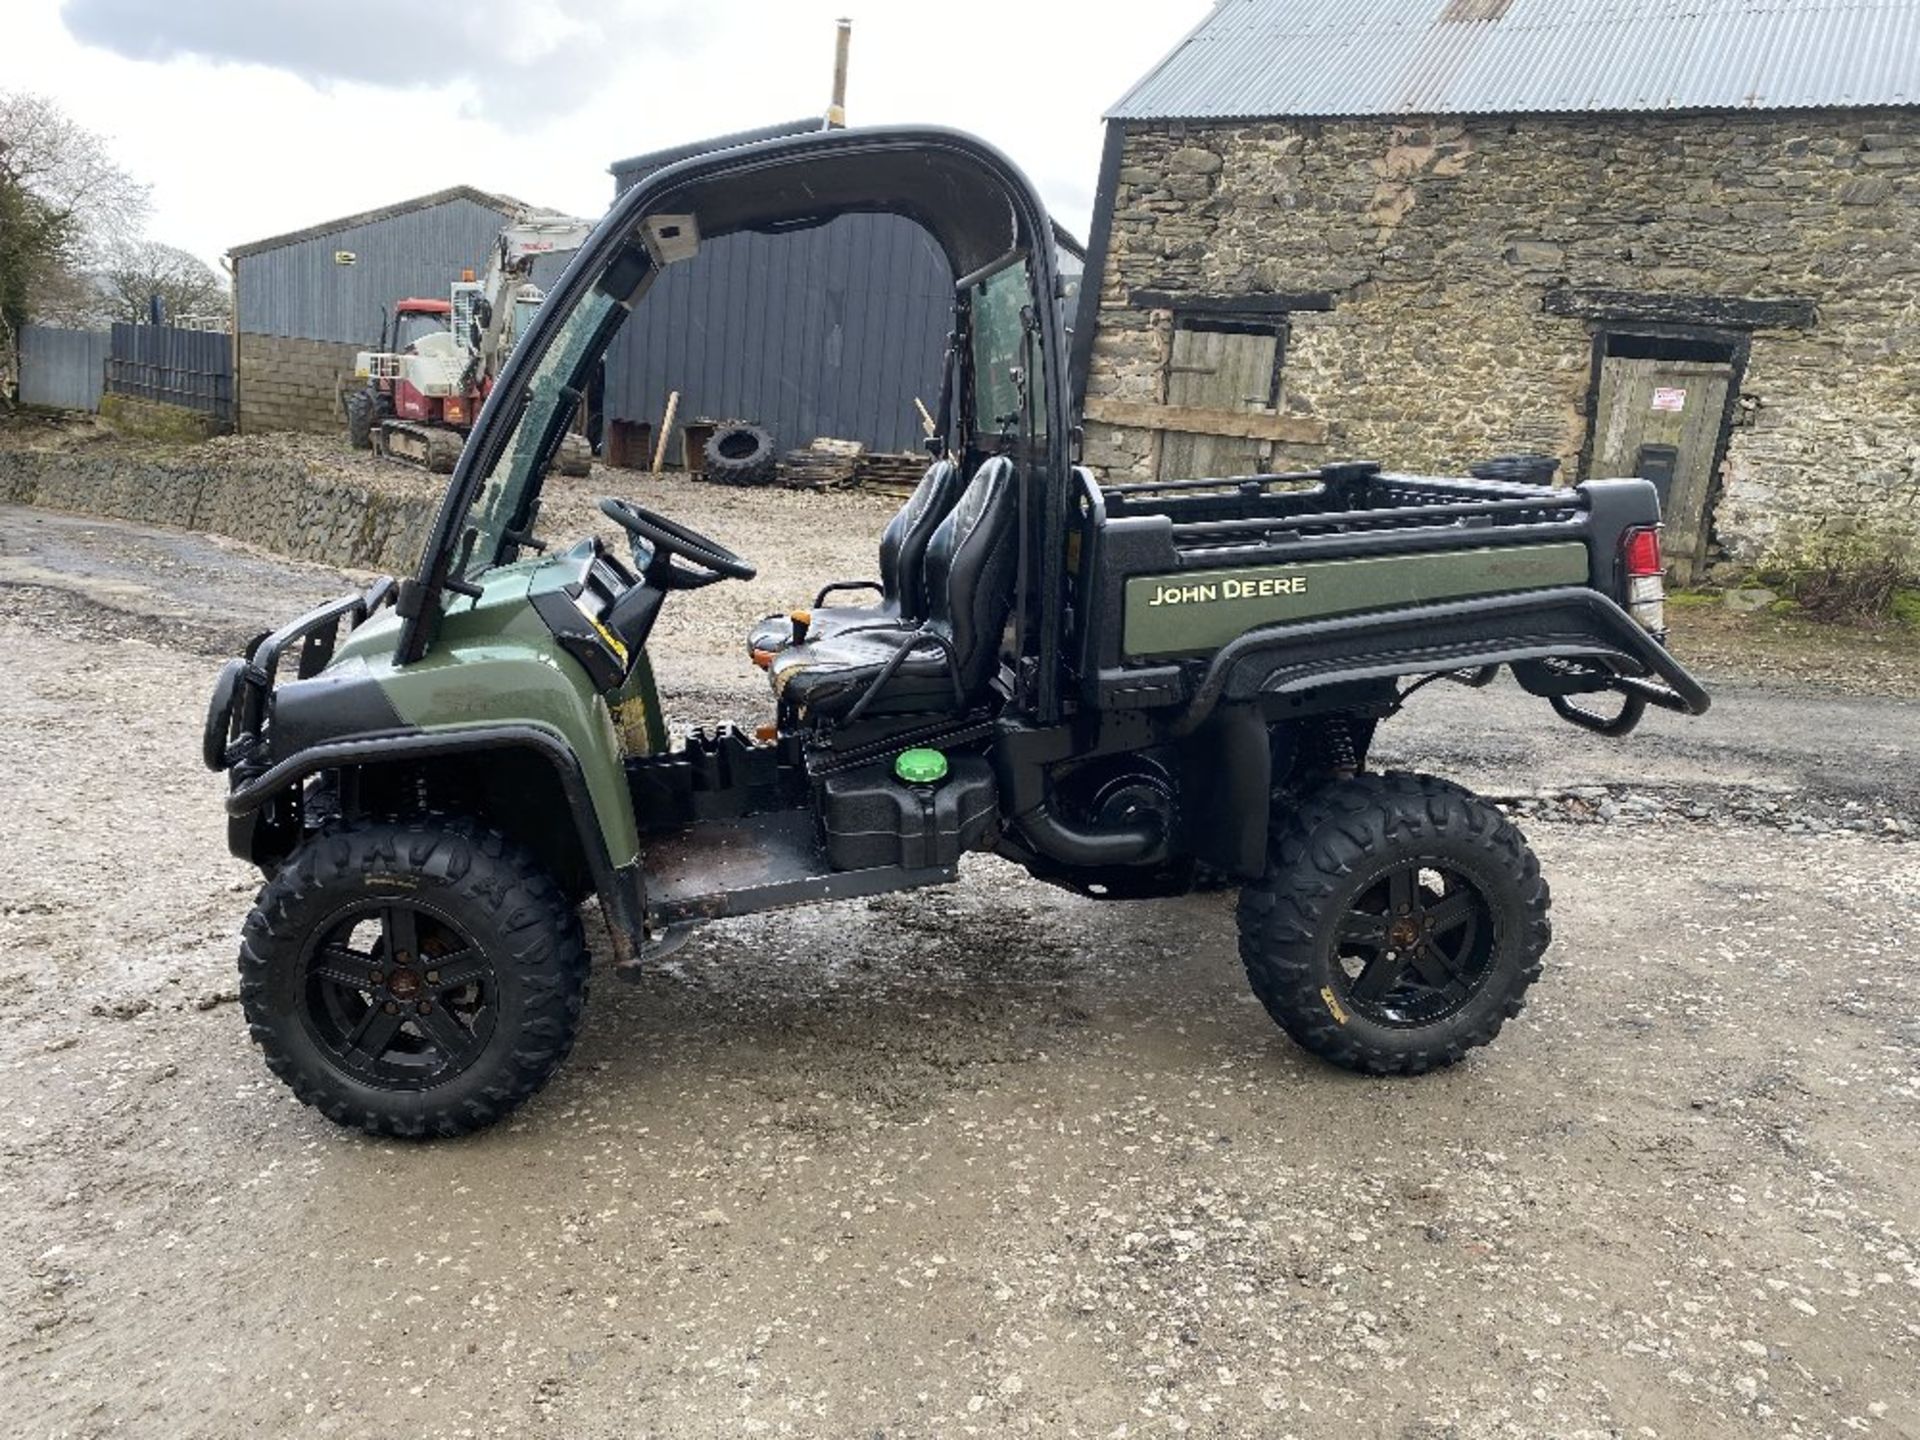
pixel 399 995
pixel 1414 946
pixel 413 977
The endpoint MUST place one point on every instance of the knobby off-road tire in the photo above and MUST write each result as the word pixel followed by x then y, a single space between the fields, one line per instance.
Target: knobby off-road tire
pixel 362 408
pixel 1399 924
pixel 413 979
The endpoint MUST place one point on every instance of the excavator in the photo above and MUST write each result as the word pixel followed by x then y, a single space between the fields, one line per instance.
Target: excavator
pixel 438 358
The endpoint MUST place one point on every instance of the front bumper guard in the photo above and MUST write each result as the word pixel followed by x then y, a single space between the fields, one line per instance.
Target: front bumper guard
pixel 235 737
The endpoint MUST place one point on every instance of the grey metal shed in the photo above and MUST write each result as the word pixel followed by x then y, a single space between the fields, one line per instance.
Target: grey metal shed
pixel 306 301
pixel 832 331
pixel 332 280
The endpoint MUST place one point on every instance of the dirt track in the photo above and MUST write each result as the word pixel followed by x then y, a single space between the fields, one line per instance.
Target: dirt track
pixel 985 1161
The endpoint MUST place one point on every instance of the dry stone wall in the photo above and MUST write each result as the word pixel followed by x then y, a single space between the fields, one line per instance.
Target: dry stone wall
pixel 1439 244
pixel 284 504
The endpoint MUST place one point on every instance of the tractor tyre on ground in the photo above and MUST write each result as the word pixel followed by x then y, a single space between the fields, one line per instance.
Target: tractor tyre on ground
pixel 413 978
pixel 1399 924
pixel 362 408
pixel 740 454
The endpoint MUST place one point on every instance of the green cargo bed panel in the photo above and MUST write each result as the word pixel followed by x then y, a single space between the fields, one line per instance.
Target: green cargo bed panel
pixel 1200 610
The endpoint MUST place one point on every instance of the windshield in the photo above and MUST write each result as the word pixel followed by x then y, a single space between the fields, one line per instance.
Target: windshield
pixel 416 325
pixel 547 406
pixel 523 313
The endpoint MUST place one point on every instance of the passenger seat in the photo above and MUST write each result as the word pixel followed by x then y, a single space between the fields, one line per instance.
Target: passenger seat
pixel 902 583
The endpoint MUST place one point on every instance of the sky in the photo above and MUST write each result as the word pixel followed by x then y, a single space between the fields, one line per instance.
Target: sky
pixel 250 118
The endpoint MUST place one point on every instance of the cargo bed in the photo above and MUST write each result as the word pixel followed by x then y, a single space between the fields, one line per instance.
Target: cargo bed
pixel 1190 591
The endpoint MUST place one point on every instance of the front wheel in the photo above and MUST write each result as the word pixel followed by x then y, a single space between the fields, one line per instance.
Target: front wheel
pixel 362 409
pixel 413 978
pixel 1399 924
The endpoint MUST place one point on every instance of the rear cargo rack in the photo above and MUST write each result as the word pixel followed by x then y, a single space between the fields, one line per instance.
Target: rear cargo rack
pixel 1540 506
pixel 1241 483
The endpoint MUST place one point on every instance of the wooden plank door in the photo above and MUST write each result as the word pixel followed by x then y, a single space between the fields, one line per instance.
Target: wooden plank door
pixel 1218 370
pixel 1660 419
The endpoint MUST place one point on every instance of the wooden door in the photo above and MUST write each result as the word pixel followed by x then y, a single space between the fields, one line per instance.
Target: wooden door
pixel 1660 420
pixel 1218 369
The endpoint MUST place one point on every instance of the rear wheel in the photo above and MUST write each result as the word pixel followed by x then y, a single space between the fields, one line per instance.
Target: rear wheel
pixel 1398 926
pixel 413 979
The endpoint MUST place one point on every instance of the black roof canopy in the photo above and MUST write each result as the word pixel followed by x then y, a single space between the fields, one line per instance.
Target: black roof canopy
pixel 635 166
pixel 961 193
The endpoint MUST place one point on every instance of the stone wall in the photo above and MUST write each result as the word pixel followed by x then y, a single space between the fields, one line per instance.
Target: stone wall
pixel 1438 243
pixel 284 504
pixel 288 384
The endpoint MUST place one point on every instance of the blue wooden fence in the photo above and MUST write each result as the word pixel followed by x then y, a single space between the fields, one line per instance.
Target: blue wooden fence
pixel 63 369
pixel 189 368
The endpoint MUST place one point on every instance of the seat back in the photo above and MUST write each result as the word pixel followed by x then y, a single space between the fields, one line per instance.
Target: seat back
pixel 903 544
pixel 972 564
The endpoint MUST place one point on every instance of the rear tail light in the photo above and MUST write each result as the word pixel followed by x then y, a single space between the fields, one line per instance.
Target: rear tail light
pixel 1646 578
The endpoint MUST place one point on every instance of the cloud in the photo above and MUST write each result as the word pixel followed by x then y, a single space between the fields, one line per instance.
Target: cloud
pixel 518 59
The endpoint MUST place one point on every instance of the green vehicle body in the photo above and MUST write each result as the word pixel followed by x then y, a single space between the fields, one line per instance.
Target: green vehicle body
pixel 497 663
pixel 1197 611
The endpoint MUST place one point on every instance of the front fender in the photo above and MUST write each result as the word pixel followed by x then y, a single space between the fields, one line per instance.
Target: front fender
pixel 494 665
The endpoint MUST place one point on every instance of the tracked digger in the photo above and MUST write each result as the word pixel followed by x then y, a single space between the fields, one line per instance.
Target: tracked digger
pixel 422 389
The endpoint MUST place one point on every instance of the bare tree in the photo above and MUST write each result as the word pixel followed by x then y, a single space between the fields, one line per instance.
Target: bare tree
pixel 137 271
pixel 63 204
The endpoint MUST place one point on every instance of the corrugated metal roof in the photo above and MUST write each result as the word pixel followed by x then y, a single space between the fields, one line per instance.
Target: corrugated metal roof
pixel 504 204
pixel 1256 58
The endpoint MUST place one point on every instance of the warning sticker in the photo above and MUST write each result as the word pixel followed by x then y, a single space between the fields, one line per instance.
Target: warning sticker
pixel 1670 397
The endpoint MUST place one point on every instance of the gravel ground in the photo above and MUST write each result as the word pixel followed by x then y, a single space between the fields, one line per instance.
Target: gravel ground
pixel 990 1160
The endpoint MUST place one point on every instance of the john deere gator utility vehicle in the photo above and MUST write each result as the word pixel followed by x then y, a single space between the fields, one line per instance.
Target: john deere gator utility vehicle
pixel 1128 690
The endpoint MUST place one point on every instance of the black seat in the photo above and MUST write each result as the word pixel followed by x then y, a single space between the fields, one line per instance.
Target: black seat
pixel 902 583
pixel 971 565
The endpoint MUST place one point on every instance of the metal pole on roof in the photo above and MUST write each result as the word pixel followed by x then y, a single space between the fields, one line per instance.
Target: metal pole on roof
pixel 837 111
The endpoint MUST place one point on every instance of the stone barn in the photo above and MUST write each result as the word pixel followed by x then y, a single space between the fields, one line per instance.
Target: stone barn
pixel 307 302
pixel 1675 241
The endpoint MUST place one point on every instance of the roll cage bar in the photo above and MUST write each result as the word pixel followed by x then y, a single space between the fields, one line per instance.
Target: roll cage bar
pixel 974 202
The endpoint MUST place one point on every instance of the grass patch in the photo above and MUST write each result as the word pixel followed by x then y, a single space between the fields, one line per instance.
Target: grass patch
pixel 1906 607
pixel 1689 599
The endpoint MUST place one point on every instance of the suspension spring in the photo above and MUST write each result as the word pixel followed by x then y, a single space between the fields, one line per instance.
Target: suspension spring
pixel 1338 746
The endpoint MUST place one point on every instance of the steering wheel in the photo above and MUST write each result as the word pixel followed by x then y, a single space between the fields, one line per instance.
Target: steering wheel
pixel 668 539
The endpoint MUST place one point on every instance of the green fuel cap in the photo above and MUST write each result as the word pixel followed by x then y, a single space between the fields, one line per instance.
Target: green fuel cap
pixel 921 766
